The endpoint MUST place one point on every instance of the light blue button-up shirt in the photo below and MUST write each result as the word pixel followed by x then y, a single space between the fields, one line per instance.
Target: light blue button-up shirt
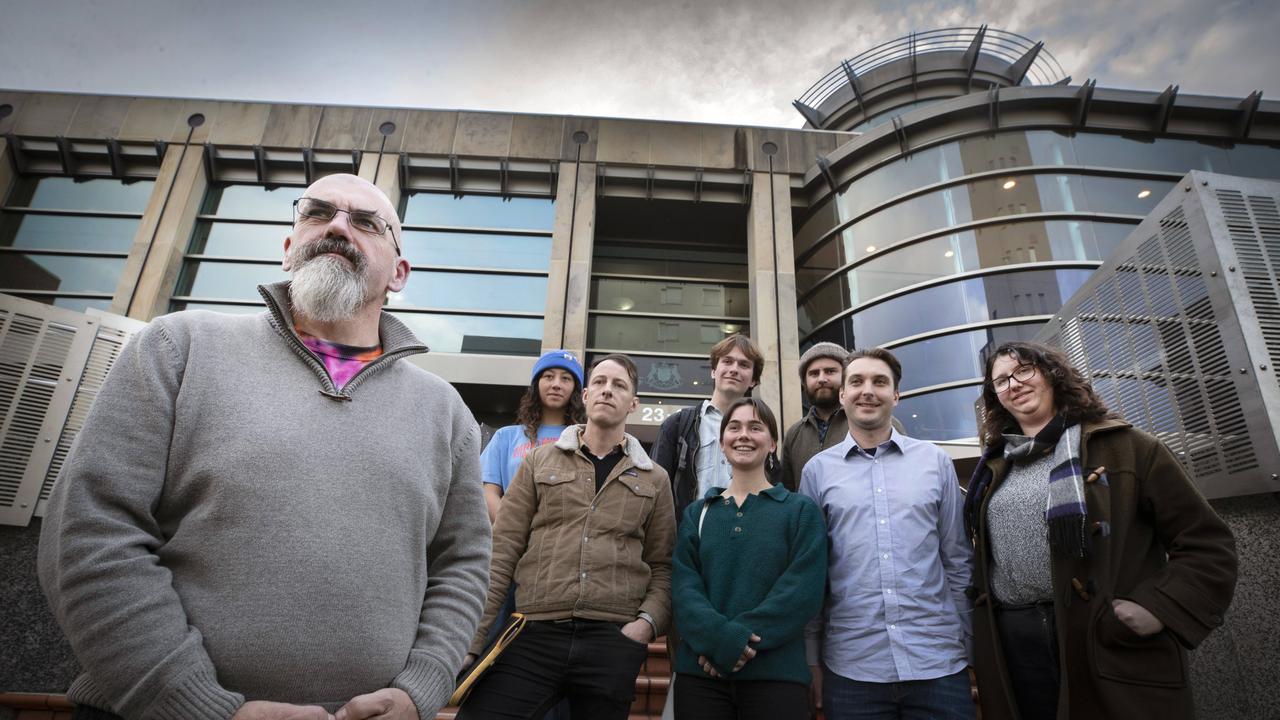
pixel 713 467
pixel 898 565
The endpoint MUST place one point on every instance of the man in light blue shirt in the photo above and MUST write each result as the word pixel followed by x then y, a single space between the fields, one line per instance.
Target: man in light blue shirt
pixel 893 637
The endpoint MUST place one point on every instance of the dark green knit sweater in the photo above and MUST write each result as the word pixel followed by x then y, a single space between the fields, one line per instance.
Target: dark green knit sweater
pixel 760 568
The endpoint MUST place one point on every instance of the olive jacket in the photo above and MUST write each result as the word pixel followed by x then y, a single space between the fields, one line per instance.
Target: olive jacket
pixel 575 552
pixel 1155 541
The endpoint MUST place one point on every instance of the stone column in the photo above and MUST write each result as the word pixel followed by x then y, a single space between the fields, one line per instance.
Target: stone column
pixel 569 278
pixel 154 261
pixel 771 271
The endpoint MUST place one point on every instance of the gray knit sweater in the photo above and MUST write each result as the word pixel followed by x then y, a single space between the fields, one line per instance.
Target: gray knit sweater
pixel 229 527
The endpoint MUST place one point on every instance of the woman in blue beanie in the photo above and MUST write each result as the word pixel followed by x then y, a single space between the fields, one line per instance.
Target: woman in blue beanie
pixel 552 402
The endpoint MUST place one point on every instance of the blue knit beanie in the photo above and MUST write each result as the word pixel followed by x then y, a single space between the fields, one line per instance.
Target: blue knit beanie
pixel 557 359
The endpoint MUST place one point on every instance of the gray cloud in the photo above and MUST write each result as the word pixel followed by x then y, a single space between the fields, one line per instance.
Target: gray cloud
pixel 698 60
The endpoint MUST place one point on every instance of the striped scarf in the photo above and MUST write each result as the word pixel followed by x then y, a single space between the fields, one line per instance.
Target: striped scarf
pixel 1065 511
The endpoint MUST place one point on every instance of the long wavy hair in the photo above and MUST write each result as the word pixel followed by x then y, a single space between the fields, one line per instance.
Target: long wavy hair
pixel 529 413
pixel 1073 396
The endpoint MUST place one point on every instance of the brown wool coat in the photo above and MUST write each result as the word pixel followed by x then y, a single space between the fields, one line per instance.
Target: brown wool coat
pixel 575 553
pixel 1151 508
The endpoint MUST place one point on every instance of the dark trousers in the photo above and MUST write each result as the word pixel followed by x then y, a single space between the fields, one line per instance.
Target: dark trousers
pixel 83 712
pixel 944 698
pixel 1029 640
pixel 702 698
pixel 588 661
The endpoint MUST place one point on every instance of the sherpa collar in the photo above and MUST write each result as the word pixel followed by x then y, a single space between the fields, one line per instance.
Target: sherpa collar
pixel 571 439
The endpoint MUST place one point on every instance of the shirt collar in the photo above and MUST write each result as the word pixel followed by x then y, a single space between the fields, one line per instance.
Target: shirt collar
pixel 707 407
pixel 896 441
pixel 775 492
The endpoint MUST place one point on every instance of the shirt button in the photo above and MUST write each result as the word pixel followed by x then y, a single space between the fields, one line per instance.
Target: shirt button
pixel 889 591
pixel 885 556
pixel 739 514
pixel 879 489
pixel 584 576
pixel 737 529
pixel 585 538
pixel 893 627
pixel 881 522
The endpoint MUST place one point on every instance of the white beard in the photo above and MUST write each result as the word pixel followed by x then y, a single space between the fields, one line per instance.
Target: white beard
pixel 327 289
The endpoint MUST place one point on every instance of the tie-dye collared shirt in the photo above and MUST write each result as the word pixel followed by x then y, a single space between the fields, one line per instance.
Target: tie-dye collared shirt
pixel 342 361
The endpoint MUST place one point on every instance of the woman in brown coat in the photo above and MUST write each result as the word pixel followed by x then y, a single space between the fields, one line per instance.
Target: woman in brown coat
pixel 1098 563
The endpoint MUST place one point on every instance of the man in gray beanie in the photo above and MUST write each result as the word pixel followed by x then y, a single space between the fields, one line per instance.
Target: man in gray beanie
pixel 821 369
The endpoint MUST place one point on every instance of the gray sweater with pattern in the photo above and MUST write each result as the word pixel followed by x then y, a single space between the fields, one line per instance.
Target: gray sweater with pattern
pixel 230 527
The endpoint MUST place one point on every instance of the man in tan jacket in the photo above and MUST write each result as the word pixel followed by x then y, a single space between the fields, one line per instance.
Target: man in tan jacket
pixel 585 532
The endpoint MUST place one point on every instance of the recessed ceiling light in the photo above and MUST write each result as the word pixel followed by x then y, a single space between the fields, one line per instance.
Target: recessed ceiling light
pixel 949 253
pixel 1009 184
pixel 1144 194
pixel 871 248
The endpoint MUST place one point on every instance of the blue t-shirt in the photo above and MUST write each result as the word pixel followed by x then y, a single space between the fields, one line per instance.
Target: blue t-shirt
pixel 506 450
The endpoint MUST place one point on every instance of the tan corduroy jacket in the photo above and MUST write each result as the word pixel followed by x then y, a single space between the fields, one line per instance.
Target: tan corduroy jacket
pixel 573 552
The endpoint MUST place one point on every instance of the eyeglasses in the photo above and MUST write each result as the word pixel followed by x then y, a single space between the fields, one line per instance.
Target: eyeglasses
pixel 1022 373
pixel 363 220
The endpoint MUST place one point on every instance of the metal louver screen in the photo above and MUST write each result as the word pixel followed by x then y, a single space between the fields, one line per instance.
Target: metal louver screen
pixel 1167 330
pixel 106 348
pixel 1253 223
pixel 44 352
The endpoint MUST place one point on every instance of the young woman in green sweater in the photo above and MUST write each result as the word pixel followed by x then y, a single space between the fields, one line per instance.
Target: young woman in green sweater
pixel 749 572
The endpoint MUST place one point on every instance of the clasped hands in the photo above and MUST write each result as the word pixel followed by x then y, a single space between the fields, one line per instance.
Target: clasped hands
pixel 748 652
pixel 385 704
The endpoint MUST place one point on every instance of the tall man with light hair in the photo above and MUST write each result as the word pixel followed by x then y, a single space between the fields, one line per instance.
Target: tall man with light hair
pixel 275 516
pixel 894 635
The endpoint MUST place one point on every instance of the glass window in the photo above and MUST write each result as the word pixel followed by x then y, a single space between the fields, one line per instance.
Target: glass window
pixel 1165 154
pixel 240 240
pixel 479 211
pixel 472 291
pixel 650 334
pixel 1258 161
pixel 252 202
pixel 944 415
pixel 669 297
pixel 64 232
pixel 227 280
pixel 475 333
pixel 1129 196
pixel 985 247
pixel 60 273
pixel 233 308
pixel 994 297
pixel 457 249
pixel 955 357
pixel 40 252
pixel 64 193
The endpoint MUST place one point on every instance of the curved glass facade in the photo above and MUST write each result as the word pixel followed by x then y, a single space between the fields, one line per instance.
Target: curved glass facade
pixel 873 260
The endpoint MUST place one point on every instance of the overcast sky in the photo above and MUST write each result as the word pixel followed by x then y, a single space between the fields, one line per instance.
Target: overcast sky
pixel 729 61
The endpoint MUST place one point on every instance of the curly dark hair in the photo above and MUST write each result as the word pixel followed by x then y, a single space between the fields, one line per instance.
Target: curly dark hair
pixel 1073 396
pixel 529 414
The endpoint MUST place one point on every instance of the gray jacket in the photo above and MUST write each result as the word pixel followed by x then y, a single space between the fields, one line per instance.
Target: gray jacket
pixel 229 527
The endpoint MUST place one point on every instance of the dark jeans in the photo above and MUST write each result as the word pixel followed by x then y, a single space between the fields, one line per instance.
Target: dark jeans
pixel 588 661
pixel 83 712
pixel 702 698
pixel 944 698
pixel 1029 640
